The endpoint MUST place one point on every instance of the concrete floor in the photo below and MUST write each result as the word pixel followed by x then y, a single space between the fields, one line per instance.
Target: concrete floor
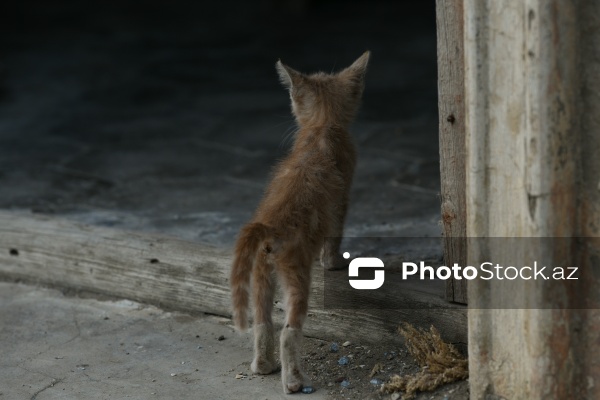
pixel 60 347
pixel 168 118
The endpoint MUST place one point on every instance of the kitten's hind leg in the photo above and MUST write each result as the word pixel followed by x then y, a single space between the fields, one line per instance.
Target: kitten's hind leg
pixel 296 285
pixel 264 336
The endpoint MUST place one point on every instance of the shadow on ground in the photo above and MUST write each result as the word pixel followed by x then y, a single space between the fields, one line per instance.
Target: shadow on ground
pixel 167 117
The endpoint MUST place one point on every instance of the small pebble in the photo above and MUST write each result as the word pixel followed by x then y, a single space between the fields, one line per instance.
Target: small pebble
pixel 376 381
pixel 347 343
pixel 334 347
pixel 199 347
pixel 308 389
pixel 345 383
pixel 240 376
pixel 221 338
pixel 173 374
pixel 343 360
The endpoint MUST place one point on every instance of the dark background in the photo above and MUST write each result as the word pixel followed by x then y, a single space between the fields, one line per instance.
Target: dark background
pixel 167 116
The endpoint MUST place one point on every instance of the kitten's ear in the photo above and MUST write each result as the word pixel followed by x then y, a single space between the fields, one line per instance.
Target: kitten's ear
pixel 358 69
pixel 288 76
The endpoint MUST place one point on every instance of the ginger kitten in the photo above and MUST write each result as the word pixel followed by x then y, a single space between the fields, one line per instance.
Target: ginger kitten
pixel 304 204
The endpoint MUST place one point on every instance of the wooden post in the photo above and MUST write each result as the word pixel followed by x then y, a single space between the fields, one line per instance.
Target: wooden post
pixel 532 78
pixel 449 15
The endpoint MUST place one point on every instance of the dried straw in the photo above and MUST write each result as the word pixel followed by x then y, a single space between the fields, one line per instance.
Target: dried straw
pixel 440 363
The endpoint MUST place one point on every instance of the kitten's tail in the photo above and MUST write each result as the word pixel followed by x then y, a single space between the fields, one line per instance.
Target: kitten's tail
pixel 251 236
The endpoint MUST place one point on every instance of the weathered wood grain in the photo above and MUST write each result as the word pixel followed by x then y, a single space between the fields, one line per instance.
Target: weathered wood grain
pixel 531 171
pixel 180 275
pixel 451 105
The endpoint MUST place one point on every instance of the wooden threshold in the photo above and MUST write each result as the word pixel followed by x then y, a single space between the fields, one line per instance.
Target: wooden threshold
pixel 176 274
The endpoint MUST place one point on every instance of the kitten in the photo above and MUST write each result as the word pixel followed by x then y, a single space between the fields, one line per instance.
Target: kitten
pixel 304 204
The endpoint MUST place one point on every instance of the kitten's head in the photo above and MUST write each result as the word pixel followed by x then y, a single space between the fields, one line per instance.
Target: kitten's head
pixel 321 98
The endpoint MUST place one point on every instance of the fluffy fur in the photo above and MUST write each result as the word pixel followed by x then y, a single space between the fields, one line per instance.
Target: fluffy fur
pixel 304 204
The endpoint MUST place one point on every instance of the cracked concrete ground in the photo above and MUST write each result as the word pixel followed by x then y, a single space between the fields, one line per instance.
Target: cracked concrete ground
pixel 61 347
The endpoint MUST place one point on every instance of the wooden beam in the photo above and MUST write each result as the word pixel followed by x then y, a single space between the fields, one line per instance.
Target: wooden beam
pixel 531 79
pixel 176 274
pixel 451 89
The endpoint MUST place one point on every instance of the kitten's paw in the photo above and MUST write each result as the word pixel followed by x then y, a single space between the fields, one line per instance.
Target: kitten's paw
pixel 334 262
pixel 294 381
pixel 263 367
